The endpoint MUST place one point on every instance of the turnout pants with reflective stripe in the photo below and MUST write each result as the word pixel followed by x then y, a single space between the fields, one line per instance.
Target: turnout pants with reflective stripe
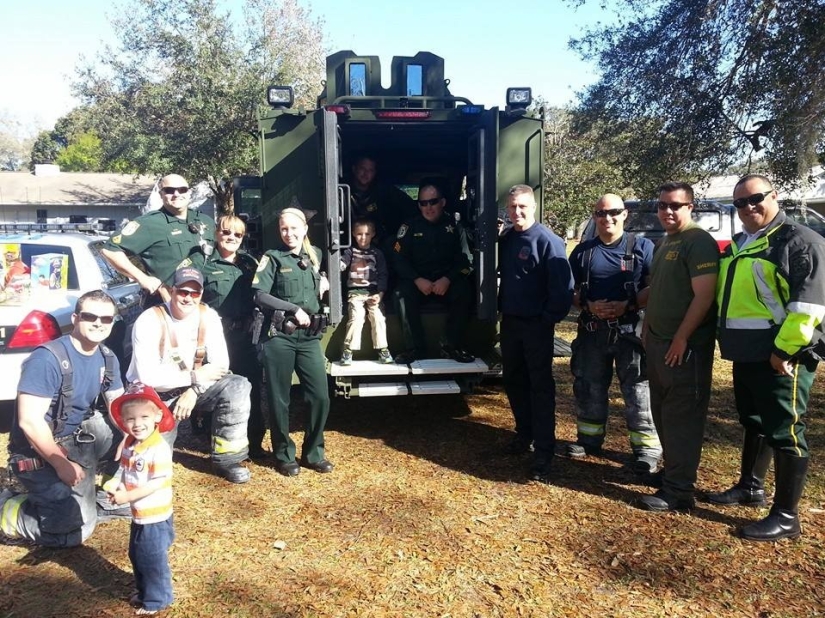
pixel 228 402
pixel 243 360
pixel 679 398
pixel 527 359
pixel 592 364
pixel 51 513
pixel 280 356
pixel 773 405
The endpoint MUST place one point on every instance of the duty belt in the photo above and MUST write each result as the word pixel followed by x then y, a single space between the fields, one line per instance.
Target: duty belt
pixel 623 325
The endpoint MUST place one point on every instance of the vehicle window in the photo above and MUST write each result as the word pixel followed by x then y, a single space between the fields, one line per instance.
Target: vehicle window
pixel 710 221
pixel 110 275
pixel 642 222
pixel 46 266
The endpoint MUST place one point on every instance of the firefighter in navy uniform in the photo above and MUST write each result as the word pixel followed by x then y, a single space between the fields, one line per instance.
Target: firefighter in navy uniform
pixel 535 294
pixel 227 288
pixel 431 260
pixel 608 270
pixel 771 297
pixel 161 240
pixel 288 286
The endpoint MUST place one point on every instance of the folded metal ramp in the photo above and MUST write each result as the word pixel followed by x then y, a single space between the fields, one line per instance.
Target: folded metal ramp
pixel 436 366
pixel 435 387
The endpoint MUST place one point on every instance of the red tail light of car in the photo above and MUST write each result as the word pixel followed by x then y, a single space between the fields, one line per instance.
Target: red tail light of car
pixel 36 328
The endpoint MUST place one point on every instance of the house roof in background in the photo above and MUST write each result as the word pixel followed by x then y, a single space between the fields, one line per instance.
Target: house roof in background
pixel 65 188
pixel 720 188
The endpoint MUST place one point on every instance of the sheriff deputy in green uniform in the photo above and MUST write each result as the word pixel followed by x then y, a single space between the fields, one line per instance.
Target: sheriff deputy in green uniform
pixel 161 240
pixel 432 262
pixel 288 288
pixel 771 297
pixel 227 288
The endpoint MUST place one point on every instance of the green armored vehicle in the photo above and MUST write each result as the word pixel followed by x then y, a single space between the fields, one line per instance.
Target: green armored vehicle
pixel 413 129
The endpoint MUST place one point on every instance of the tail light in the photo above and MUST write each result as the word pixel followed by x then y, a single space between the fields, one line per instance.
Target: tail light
pixel 36 328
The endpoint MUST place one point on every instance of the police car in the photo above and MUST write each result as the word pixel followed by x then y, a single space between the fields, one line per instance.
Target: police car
pixel 43 271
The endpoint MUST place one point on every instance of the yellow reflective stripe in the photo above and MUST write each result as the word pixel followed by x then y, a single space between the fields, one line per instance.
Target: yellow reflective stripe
pixel 644 439
pixel 793 409
pixel 590 429
pixel 222 446
pixel 8 517
pixel 768 297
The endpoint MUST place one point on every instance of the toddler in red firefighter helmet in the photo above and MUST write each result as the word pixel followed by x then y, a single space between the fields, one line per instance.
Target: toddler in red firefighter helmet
pixel 145 482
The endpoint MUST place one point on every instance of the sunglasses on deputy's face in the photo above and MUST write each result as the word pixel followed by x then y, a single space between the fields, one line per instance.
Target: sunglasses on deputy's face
pixel 674 206
pixel 173 190
pixel 608 212
pixel 430 202
pixel 87 316
pixel 752 200
pixel 232 233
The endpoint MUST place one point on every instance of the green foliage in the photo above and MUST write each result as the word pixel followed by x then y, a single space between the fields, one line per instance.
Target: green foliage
pixel 84 154
pixel 45 149
pixel 49 145
pixel 697 85
pixel 182 91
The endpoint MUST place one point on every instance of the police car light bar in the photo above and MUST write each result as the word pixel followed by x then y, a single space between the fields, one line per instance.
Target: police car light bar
pixel 280 96
pixel 519 98
pixel 402 114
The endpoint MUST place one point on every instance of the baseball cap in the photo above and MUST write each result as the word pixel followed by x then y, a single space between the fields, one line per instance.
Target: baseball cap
pixel 138 390
pixel 187 274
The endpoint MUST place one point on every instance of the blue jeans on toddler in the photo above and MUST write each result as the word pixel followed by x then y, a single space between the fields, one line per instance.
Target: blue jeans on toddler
pixel 149 552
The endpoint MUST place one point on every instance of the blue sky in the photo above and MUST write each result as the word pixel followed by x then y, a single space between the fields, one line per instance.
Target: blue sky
pixel 487 45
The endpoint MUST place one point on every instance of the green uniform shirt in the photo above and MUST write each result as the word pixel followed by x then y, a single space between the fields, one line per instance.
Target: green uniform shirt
pixel 678 259
pixel 290 277
pixel 227 286
pixel 431 250
pixel 162 241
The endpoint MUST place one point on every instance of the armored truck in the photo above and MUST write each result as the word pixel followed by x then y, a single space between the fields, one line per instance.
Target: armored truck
pixel 413 128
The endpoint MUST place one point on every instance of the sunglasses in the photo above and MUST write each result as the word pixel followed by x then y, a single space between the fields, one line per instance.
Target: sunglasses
pixel 86 316
pixel 674 206
pixel 608 212
pixel 187 293
pixel 753 200
pixel 231 233
pixel 173 190
pixel 431 202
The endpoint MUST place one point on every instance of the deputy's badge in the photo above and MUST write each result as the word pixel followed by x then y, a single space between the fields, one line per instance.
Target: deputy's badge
pixel 130 228
pixel 372 207
pixel 524 253
pixel 397 247
pixel 449 229
pixel 262 264
pixel 140 464
pixel 116 239
pixel 402 230
pixel 184 263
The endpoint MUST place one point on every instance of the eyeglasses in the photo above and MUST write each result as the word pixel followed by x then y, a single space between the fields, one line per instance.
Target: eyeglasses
pixel 173 190
pixel 86 316
pixel 674 206
pixel 186 293
pixel 608 212
pixel 431 202
pixel 231 233
pixel 753 200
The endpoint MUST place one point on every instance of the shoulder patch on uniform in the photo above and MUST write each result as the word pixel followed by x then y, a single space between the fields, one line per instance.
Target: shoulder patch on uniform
pixel 524 253
pixel 402 230
pixel 130 228
pixel 184 263
pixel 116 239
pixel 262 264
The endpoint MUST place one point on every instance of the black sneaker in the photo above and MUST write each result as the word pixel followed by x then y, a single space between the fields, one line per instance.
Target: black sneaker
pixel 540 470
pixel 384 356
pixel 346 357
pixel 405 358
pixel 519 446
pixel 457 354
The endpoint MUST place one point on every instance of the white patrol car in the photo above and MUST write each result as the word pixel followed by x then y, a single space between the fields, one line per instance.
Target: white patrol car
pixel 42 274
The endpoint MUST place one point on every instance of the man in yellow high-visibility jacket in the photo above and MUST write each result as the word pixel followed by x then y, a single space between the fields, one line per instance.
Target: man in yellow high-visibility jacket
pixel 771 298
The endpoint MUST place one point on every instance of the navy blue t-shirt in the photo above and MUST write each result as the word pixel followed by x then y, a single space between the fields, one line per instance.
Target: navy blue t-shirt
pixel 607 278
pixel 535 274
pixel 41 377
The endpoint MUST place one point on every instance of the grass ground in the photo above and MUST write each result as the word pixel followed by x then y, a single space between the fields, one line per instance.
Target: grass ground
pixel 422 517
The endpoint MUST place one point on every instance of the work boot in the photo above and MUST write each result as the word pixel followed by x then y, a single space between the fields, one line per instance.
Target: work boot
pixel 750 489
pixel 783 520
pixel 234 472
pixel 580 451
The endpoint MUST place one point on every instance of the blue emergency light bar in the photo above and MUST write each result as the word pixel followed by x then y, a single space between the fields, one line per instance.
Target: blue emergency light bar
pixel 470 110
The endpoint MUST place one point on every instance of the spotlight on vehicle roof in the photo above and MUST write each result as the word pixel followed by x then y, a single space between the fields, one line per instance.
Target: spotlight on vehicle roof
pixel 280 96
pixel 519 98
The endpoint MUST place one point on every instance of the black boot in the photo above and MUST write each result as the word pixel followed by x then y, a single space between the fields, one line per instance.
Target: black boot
pixel 750 489
pixel 783 520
